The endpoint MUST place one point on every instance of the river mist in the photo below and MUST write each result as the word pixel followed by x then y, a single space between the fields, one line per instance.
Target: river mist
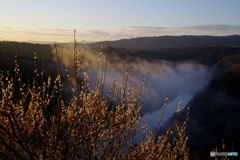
pixel 180 80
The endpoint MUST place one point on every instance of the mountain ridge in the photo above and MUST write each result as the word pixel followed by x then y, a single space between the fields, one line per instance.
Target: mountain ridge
pixel 172 41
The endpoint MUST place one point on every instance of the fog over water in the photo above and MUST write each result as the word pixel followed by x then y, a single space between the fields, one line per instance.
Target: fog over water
pixel 181 80
pixel 186 81
pixel 153 118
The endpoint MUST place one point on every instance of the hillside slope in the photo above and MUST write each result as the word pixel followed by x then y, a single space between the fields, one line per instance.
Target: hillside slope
pixel 172 41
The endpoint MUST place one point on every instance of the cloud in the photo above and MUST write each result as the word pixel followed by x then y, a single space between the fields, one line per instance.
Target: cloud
pixel 137 31
pixel 52 34
pixel 142 31
pixel 141 28
pixel 122 32
pixel 48 29
pixel 94 33
pixel 56 32
pixel 213 27
pixel 7 28
pixel 36 34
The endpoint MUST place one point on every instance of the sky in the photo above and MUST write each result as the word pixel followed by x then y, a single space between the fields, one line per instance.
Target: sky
pixel 55 20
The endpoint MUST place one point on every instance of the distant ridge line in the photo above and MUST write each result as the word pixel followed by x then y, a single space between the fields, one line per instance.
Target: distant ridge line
pixel 172 41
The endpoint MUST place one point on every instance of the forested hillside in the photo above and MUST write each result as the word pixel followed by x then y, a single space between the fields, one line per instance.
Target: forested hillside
pixel 173 41
pixel 214 110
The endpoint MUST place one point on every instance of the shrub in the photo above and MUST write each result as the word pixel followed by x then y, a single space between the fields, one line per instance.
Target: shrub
pixel 35 122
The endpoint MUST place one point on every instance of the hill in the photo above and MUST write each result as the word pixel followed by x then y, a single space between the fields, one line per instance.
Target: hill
pixel 221 57
pixel 172 41
pixel 214 110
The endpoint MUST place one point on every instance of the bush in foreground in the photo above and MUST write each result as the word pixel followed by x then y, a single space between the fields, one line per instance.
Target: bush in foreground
pixel 35 122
